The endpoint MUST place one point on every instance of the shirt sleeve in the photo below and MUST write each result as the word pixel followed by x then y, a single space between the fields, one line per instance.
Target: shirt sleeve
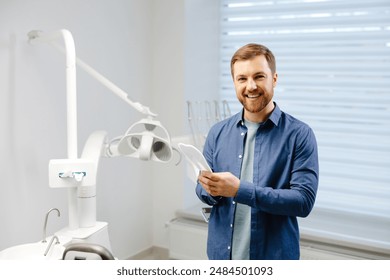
pixel 205 197
pixel 296 199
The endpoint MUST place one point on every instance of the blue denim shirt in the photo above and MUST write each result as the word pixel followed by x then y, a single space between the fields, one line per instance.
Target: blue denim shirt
pixel 285 181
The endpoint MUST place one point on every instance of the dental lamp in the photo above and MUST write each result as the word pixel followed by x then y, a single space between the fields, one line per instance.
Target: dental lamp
pixel 147 139
pixel 143 144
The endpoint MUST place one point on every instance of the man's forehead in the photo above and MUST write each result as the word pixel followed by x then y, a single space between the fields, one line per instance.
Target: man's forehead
pixel 256 64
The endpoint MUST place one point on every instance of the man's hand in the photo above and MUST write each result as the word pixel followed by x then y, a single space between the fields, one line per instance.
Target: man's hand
pixel 220 183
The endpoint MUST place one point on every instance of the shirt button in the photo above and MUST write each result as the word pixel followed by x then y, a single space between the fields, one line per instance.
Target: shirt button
pixel 228 247
pixel 231 225
pixel 242 133
pixel 240 156
pixel 234 202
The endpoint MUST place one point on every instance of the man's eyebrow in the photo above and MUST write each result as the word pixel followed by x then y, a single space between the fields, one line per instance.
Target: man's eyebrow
pixel 260 72
pixel 257 73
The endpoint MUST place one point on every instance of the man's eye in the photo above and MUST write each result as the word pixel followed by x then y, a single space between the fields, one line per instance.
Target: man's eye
pixel 241 79
pixel 260 77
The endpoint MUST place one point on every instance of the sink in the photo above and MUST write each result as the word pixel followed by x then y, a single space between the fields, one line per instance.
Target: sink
pixel 33 251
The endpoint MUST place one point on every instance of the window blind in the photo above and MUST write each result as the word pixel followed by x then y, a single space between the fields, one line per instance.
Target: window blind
pixel 333 62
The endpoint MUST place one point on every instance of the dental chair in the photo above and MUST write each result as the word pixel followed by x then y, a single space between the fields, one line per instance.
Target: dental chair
pixel 86 251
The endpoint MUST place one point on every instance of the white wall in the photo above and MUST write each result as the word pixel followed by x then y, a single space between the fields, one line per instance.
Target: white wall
pixel 168 95
pixel 33 118
pixel 202 61
pixel 186 65
pixel 143 46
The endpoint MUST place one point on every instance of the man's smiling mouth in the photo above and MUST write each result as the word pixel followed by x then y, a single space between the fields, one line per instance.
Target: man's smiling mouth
pixel 252 96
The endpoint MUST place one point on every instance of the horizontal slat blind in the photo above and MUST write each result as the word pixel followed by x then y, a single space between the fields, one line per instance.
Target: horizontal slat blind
pixel 333 62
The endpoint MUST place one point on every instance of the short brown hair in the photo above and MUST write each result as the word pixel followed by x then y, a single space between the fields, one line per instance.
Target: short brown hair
pixel 249 51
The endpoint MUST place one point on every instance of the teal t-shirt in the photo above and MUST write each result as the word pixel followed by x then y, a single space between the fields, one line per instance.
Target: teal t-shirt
pixel 242 218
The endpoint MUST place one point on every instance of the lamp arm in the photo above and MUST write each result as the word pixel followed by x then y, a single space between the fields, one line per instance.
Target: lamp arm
pixel 115 89
pixel 50 37
pixel 94 148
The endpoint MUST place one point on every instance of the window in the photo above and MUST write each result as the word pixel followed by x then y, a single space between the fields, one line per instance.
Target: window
pixel 333 62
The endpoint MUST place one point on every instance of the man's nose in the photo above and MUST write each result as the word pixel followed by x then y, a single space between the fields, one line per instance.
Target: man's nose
pixel 251 85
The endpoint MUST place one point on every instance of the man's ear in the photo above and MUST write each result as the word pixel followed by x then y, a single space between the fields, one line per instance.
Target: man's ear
pixel 275 80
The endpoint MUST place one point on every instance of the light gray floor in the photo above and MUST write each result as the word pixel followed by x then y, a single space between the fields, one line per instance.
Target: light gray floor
pixel 154 253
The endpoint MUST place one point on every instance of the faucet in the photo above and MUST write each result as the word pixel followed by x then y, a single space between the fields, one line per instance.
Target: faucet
pixel 50 243
pixel 45 224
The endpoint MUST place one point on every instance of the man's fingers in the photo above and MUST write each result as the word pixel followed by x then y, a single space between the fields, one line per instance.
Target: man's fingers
pixel 206 174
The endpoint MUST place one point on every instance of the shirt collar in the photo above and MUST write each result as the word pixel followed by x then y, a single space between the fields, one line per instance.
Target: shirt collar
pixel 274 117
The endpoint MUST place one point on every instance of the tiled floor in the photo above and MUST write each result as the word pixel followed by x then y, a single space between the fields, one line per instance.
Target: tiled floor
pixel 154 253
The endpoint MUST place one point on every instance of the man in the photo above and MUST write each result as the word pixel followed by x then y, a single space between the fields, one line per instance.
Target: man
pixel 265 169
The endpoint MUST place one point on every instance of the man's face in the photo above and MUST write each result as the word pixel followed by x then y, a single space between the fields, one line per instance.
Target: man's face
pixel 254 83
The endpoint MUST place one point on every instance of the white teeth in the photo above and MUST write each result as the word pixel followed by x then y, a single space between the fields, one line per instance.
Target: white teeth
pixel 253 96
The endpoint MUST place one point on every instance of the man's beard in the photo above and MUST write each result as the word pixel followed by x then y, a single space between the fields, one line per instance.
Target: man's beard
pixel 257 105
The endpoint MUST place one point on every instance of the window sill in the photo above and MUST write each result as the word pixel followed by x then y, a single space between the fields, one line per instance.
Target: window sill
pixel 348 231
pixel 345 233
